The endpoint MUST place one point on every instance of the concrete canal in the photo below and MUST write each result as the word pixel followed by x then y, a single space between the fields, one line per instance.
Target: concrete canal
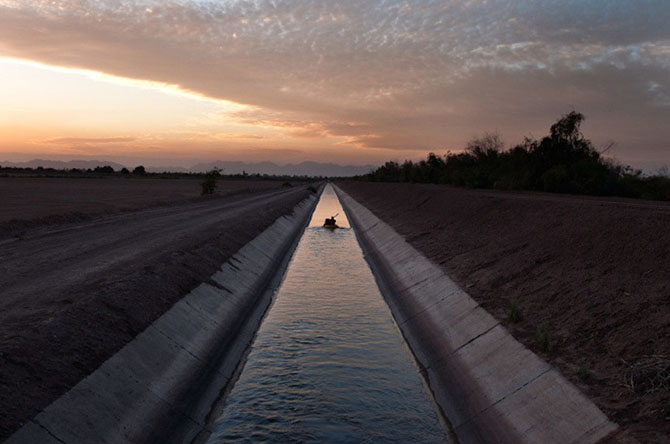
pixel 328 363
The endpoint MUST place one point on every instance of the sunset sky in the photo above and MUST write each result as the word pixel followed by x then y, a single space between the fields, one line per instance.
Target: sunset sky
pixel 344 81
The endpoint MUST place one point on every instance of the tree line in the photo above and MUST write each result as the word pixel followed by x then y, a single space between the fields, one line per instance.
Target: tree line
pixel 141 171
pixel 562 162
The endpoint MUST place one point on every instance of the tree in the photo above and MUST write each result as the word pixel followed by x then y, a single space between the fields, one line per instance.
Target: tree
pixel 486 144
pixel 104 169
pixel 568 127
pixel 139 170
pixel 564 161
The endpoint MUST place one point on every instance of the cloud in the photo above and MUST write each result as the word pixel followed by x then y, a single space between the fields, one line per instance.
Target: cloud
pixel 88 140
pixel 242 136
pixel 382 73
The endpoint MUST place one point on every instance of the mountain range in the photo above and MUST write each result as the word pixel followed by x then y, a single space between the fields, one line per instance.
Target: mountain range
pixel 307 168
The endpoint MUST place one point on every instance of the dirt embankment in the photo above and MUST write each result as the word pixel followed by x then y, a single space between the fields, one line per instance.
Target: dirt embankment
pixel 594 274
pixel 74 296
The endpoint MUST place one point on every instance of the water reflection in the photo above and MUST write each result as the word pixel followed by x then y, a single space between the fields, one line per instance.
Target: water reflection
pixel 329 364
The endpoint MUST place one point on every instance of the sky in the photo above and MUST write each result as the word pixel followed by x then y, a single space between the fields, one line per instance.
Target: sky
pixel 344 81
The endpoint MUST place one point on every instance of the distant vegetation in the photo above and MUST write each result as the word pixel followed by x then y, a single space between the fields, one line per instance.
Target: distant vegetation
pixel 106 171
pixel 562 162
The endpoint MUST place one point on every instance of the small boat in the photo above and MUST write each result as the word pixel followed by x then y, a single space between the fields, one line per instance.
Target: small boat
pixel 331 223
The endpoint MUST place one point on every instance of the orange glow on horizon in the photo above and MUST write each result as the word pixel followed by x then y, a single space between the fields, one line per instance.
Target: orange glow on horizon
pixel 342 81
pixel 70 111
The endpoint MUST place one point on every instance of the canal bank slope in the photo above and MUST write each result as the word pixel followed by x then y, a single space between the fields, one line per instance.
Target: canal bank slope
pixel 328 364
pixel 123 273
pixel 590 273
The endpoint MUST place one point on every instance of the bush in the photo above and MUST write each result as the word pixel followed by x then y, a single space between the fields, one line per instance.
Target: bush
pixel 209 183
pixel 104 169
pixel 543 338
pixel 556 180
pixel 514 314
pixel 583 373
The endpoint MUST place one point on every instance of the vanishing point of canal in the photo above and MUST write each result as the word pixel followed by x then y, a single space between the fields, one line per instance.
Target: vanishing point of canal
pixel 328 363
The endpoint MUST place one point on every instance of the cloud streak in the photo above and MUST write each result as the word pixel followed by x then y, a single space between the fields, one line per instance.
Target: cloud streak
pixel 88 140
pixel 424 75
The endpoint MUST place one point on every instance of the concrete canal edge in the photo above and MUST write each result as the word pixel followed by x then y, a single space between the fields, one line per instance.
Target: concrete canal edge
pixel 489 386
pixel 161 386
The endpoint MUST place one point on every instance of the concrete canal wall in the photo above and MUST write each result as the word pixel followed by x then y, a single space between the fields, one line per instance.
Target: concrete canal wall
pixel 161 386
pixel 488 385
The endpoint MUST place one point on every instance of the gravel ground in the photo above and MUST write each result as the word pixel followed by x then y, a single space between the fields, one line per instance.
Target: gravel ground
pixel 593 273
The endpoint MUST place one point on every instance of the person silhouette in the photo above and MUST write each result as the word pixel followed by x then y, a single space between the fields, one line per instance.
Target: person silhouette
pixel 330 221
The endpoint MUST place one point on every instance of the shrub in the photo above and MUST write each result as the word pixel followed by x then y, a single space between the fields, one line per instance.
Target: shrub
pixel 583 373
pixel 556 180
pixel 209 183
pixel 104 169
pixel 543 338
pixel 514 314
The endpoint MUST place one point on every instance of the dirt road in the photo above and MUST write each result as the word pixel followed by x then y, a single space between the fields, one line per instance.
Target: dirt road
pixel 27 202
pixel 72 296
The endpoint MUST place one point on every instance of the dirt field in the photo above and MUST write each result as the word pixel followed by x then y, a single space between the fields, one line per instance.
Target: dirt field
pixel 31 201
pixel 593 273
pixel 72 296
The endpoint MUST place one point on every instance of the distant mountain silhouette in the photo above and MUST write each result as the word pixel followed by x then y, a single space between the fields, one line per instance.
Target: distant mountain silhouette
pixel 229 167
pixel 300 169
pixel 63 165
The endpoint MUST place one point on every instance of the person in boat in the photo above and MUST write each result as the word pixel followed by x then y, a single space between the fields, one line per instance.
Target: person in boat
pixel 330 222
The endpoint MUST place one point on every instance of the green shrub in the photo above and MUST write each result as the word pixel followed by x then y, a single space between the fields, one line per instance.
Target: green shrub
pixel 543 338
pixel 583 373
pixel 514 315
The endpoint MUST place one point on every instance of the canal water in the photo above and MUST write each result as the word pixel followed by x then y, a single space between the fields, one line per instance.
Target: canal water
pixel 328 363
